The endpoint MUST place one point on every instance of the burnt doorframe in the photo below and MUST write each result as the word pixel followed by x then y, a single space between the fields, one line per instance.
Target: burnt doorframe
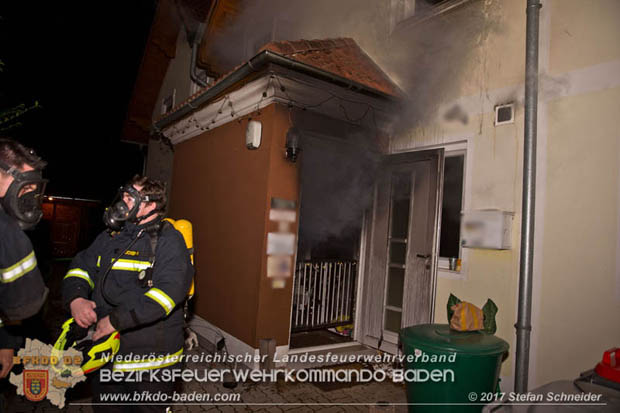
pixel 367 253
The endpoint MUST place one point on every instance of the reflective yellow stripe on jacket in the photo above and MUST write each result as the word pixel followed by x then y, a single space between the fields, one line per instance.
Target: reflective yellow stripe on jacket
pixel 130 265
pixel 80 273
pixel 20 268
pixel 149 363
pixel 161 298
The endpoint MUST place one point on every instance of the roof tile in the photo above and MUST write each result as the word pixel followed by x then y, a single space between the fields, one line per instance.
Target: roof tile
pixel 341 56
pixel 285 48
pixel 315 44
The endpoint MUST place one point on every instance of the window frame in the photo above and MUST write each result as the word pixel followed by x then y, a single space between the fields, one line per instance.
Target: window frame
pixel 172 95
pixel 443 265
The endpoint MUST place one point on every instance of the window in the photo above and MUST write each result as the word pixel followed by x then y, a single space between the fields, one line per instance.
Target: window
pixel 168 102
pixel 195 87
pixel 409 13
pixel 400 10
pixel 398 235
pixel 450 235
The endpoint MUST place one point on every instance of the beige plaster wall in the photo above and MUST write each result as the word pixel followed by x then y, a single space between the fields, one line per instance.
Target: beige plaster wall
pixel 498 61
pixel 177 76
pixel 577 279
pixel 579 309
pixel 495 162
pixel 583 33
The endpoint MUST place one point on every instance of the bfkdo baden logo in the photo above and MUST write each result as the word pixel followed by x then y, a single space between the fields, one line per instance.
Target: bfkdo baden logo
pixel 47 372
pixel 36 384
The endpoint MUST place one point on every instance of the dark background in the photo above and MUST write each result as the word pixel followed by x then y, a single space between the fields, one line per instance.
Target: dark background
pixel 79 60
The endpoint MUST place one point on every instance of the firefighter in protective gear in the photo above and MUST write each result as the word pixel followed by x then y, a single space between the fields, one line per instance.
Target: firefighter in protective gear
pixel 22 290
pixel 22 184
pixel 134 281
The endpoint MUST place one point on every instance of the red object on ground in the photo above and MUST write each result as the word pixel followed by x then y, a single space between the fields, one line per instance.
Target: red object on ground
pixel 609 368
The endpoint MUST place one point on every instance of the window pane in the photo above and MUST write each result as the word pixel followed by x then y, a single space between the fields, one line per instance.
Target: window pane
pixel 400 218
pixel 451 207
pixel 392 320
pixel 398 253
pixel 396 281
pixel 401 185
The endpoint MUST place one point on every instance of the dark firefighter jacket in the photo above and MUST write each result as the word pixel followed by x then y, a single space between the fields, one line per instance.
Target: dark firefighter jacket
pixel 149 318
pixel 22 290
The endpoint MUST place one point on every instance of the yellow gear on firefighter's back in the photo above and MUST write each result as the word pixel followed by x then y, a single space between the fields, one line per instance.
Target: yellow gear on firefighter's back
pixel 147 292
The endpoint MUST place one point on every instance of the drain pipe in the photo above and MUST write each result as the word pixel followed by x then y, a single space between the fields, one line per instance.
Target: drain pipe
pixel 193 72
pixel 195 41
pixel 524 316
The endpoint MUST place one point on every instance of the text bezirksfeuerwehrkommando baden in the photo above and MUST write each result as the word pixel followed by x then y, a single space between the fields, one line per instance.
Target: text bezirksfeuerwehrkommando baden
pixel 292 375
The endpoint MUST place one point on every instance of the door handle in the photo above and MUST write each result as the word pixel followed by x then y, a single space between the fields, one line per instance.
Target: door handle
pixel 425 257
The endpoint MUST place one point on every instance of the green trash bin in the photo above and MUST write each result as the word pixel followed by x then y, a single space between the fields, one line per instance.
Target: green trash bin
pixel 450 371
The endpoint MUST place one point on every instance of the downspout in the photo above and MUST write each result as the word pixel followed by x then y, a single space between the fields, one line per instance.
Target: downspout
pixel 193 70
pixel 524 316
pixel 195 41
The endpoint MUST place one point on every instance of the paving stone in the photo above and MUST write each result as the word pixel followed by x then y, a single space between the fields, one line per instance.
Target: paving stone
pixel 291 408
pixel 303 409
pixel 273 409
pixel 331 409
pixel 226 409
pixel 354 409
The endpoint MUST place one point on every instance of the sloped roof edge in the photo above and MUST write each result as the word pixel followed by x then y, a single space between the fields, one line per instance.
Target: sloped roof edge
pixel 256 64
pixel 341 56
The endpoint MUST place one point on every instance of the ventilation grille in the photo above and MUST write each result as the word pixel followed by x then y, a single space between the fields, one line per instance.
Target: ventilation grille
pixel 504 114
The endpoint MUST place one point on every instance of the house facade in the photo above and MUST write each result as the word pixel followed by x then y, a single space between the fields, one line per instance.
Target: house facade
pixel 330 95
pixel 458 148
pixel 577 237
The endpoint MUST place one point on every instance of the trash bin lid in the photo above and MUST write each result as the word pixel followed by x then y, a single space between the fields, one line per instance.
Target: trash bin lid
pixel 441 337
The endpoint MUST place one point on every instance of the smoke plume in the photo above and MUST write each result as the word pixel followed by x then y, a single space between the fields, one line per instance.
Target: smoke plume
pixel 427 54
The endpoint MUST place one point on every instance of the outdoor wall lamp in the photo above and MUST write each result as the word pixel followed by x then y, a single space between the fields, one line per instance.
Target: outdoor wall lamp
pixel 253 134
pixel 292 144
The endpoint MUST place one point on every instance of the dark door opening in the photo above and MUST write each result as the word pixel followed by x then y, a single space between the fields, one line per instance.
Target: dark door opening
pixel 337 181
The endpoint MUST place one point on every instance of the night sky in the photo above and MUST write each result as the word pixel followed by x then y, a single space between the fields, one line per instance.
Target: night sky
pixel 79 60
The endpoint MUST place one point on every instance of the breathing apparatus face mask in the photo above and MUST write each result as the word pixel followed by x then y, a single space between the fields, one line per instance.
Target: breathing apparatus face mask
pixel 95 354
pixel 125 208
pixel 23 197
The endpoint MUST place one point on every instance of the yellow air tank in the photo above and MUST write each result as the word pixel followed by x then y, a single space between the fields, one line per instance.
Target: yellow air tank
pixel 185 228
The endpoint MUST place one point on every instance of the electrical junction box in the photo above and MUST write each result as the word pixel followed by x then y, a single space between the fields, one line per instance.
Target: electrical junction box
pixel 487 229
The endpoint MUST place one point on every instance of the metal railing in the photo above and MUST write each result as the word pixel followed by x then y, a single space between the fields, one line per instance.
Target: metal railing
pixel 323 294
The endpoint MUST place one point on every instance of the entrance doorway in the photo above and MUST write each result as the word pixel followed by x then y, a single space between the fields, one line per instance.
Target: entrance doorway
pixel 399 285
pixel 337 180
